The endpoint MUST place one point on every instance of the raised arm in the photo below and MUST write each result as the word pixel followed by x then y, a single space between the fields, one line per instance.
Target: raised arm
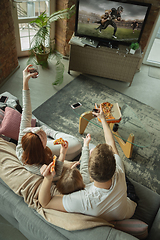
pixel 84 160
pixel 107 131
pixel 26 76
pixel 27 109
pixel 44 196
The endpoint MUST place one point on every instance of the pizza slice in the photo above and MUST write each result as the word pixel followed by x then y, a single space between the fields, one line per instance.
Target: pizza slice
pixel 107 107
pixel 53 164
pixel 58 141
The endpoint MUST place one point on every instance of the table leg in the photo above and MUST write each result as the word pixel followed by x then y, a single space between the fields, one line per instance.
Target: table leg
pixel 127 147
pixel 84 120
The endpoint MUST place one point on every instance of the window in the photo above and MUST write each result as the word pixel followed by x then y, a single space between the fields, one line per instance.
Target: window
pixel 32 8
pixel 28 11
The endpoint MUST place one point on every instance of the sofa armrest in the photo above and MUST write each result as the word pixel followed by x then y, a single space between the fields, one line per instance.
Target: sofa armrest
pixel 16 212
pixel 154 233
pixel 148 204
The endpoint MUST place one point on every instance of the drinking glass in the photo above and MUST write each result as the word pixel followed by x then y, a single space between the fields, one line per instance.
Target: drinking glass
pixel 33 69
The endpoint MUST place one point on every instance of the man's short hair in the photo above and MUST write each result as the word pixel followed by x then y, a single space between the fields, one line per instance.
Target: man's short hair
pixel 102 164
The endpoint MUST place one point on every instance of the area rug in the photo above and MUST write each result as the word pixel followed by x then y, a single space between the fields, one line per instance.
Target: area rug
pixel 144 165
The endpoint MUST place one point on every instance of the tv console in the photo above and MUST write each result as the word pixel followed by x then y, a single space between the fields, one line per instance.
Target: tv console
pixel 117 64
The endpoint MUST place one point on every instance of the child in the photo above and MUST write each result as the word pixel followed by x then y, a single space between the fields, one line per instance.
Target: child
pixel 72 179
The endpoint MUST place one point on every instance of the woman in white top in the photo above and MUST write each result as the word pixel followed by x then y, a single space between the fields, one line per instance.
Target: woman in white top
pixel 34 149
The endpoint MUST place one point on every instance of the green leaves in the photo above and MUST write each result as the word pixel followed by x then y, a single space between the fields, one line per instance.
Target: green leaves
pixel 62 14
pixel 134 46
pixel 59 69
pixel 41 41
pixel 40 21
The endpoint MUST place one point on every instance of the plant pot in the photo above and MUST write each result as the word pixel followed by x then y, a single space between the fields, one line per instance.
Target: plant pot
pixel 42 57
pixel 132 51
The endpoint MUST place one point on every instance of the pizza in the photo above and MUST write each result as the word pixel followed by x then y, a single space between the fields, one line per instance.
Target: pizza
pixel 107 107
pixel 53 164
pixel 58 141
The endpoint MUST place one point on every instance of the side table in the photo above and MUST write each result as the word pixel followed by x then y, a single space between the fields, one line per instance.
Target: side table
pixel 127 147
pixel 131 131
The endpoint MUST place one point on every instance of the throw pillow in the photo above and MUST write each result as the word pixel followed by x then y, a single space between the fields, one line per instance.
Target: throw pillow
pixel 11 123
pixel 134 227
pixel 1 115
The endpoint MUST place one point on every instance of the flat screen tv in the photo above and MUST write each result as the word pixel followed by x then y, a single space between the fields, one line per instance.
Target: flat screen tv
pixel 114 21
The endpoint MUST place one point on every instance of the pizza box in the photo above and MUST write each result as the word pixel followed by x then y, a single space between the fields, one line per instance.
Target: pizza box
pixel 115 112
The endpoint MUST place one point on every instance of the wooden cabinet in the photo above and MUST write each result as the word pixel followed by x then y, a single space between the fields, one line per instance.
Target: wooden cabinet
pixel 105 62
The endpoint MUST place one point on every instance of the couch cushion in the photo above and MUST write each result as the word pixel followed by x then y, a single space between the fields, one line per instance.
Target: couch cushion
pixel 11 123
pixel 12 102
pixel 148 204
pixel 134 227
pixel 17 212
pixel 1 115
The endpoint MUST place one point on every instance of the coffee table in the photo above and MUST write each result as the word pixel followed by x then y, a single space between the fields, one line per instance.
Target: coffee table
pixel 131 131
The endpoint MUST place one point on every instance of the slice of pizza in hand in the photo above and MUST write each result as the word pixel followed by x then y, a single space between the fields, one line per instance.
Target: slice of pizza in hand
pixel 58 141
pixel 53 164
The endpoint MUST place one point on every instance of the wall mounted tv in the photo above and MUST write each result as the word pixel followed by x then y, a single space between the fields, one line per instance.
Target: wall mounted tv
pixel 111 21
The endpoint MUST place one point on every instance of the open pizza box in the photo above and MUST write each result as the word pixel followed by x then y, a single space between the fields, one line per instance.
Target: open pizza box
pixel 115 113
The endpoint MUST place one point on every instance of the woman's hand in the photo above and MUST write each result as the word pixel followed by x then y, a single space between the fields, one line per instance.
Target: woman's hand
pixel 87 140
pixel 45 171
pixel 26 76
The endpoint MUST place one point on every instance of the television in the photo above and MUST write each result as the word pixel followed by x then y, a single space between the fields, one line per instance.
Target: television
pixel 111 22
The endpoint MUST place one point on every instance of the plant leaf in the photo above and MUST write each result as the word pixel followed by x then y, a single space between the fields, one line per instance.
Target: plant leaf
pixel 59 69
pixel 62 14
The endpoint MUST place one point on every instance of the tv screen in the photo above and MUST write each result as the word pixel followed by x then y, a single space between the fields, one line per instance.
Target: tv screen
pixel 110 20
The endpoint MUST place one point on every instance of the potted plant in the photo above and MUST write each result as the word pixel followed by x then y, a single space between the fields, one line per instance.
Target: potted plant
pixel 134 47
pixel 41 46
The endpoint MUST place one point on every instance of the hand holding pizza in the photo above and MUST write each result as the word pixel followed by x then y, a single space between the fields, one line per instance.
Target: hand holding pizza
pixel 45 171
pixel 64 148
